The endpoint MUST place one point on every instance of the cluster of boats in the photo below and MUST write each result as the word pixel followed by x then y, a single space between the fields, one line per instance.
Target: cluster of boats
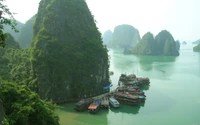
pixel 93 106
pixel 127 92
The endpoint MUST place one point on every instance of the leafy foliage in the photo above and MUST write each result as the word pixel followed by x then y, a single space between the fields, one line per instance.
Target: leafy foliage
pixel 8 29
pixel 124 36
pixel 5 21
pixel 24 107
pixel 68 55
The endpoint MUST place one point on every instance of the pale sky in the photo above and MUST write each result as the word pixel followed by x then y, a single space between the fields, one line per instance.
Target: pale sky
pixel 180 17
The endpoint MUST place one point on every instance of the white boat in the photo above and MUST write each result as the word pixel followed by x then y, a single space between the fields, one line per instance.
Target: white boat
pixel 113 102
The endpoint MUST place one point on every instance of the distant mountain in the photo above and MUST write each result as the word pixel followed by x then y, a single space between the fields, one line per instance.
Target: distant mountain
pixel 145 47
pixel 178 45
pixel 11 42
pixel 124 36
pixel 196 48
pixel 8 29
pixel 196 42
pixel 107 37
pixel 162 44
pixel 184 42
pixel 26 34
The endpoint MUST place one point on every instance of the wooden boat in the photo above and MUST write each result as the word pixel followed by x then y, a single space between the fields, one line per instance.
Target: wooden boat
pixel 133 80
pixel 83 104
pixel 127 98
pixel 135 90
pixel 113 102
pixel 94 107
pixel 104 102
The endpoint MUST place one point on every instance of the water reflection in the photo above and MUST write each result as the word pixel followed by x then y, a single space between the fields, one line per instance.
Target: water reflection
pixel 68 116
pixel 127 109
pixel 161 67
pixel 124 62
pixel 149 62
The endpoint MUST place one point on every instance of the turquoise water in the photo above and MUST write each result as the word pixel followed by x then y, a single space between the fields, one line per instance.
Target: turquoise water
pixel 173 97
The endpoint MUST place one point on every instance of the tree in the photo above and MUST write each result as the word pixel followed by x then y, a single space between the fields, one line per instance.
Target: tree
pixel 24 107
pixel 4 10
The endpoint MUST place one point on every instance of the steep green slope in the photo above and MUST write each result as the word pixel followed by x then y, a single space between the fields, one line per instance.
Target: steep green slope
pixel 8 29
pixel 107 37
pixel 162 44
pixel 196 48
pixel 26 34
pixel 178 45
pixel 146 46
pixel 165 44
pixel 10 42
pixel 125 36
pixel 68 57
pixel 11 45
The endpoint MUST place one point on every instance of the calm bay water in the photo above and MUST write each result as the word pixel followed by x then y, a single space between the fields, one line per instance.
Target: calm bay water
pixel 173 97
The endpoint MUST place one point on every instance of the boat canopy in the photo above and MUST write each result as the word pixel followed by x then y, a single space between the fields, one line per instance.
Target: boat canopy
pixel 107 87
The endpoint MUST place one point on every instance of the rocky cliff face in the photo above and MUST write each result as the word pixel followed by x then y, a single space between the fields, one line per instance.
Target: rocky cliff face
pixel 196 48
pixel 162 44
pixel 26 34
pixel 125 36
pixel 8 29
pixel 107 37
pixel 68 58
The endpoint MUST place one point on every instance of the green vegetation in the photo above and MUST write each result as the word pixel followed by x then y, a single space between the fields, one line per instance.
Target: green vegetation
pixel 146 46
pixel 124 36
pixel 10 21
pixel 26 34
pixel 196 48
pixel 24 107
pixel 163 44
pixel 107 37
pixel 68 58
pixel 178 45
pixel 8 29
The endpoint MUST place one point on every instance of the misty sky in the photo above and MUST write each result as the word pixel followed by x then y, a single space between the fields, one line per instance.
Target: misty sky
pixel 180 17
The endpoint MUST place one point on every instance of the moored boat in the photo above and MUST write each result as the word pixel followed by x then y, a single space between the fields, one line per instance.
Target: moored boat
pixel 83 104
pixel 133 80
pixel 131 99
pixel 113 102
pixel 104 102
pixel 94 107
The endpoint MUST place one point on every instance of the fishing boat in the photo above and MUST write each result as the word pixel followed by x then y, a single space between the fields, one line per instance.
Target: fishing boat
pixel 113 102
pixel 133 80
pixel 104 102
pixel 94 107
pixel 127 98
pixel 83 104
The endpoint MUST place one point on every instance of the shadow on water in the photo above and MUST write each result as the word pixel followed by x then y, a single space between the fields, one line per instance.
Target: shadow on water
pixel 147 62
pixel 68 116
pixel 126 109
pixel 145 88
